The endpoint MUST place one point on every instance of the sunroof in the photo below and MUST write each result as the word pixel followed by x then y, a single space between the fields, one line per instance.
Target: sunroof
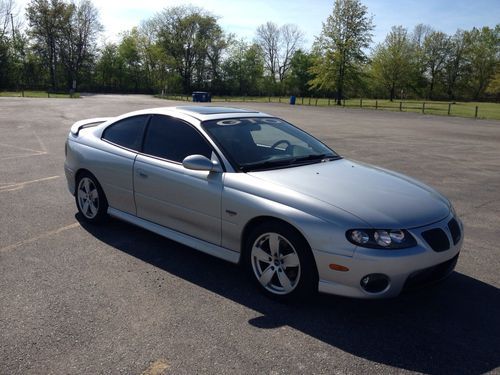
pixel 213 110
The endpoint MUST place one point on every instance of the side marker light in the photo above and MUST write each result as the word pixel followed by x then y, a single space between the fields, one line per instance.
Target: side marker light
pixel 338 267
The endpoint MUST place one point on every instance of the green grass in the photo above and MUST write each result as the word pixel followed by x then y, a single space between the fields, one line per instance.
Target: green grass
pixel 460 109
pixel 37 94
pixel 490 111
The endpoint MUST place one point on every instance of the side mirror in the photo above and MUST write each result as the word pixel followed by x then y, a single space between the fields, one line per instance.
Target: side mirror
pixel 201 163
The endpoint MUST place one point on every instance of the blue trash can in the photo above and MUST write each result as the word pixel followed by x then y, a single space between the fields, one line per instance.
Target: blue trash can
pixel 292 99
pixel 201 96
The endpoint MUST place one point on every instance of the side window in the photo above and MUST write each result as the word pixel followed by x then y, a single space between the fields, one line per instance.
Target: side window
pixel 173 139
pixel 127 133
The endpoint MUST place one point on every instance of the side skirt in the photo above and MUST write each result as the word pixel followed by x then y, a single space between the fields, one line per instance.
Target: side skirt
pixel 206 247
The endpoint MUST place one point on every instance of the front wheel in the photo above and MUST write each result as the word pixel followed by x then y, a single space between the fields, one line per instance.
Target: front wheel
pixel 90 199
pixel 281 263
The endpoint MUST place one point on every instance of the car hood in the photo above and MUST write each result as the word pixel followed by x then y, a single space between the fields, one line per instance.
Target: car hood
pixel 382 198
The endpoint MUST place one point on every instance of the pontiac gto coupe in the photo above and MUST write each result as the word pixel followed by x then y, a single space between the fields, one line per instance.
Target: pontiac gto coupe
pixel 251 188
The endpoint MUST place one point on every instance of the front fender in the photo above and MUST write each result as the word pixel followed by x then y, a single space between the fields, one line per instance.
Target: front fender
pixel 240 207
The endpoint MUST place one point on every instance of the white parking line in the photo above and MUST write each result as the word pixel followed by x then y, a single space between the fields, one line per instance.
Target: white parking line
pixel 39 237
pixel 21 148
pixel 42 145
pixel 23 156
pixel 20 185
pixel 156 368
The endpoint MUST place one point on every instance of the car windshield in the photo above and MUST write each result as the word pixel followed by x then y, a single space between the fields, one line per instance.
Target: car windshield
pixel 259 143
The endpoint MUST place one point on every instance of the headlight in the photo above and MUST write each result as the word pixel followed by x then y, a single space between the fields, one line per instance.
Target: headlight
pixel 381 238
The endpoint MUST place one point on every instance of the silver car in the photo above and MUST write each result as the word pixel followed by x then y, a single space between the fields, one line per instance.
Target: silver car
pixel 251 188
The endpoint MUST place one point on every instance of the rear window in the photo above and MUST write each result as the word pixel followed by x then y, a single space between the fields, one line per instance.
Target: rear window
pixel 127 132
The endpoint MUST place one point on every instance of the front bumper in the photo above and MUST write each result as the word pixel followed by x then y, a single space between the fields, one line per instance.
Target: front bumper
pixel 404 268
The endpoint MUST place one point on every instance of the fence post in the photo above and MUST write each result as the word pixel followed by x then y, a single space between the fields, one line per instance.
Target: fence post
pixel 328 102
pixel 344 102
pixel 423 107
pixel 449 108
pixel 360 103
pixel 48 94
pixel 302 100
pixel 309 100
pixel 400 106
pixel 475 115
pixel 269 99
pixel 376 104
pixel 279 98
pixel 316 104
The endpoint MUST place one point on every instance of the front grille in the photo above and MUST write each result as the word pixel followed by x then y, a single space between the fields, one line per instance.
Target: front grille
pixel 437 239
pixel 454 230
pixel 430 275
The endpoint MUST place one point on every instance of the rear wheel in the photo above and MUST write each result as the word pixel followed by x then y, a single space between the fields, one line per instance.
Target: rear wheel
pixel 280 262
pixel 90 199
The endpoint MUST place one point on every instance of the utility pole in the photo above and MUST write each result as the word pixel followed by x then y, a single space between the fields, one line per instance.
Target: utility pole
pixel 12 24
pixel 14 51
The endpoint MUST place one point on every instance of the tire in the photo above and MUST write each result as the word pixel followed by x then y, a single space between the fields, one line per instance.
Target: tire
pixel 280 262
pixel 90 199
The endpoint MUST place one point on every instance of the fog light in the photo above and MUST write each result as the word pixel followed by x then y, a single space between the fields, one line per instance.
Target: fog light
pixel 375 282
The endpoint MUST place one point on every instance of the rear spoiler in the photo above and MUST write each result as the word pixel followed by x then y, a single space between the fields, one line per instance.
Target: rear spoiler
pixel 79 125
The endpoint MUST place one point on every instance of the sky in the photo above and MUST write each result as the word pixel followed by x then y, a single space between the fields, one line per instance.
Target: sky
pixel 243 17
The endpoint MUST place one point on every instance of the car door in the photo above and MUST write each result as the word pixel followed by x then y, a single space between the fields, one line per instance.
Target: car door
pixel 168 194
pixel 114 162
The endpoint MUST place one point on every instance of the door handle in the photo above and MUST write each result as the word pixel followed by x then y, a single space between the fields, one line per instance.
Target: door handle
pixel 142 173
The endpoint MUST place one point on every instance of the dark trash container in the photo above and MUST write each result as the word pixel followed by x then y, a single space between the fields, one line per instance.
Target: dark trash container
pixel 201 96
pixel 292 99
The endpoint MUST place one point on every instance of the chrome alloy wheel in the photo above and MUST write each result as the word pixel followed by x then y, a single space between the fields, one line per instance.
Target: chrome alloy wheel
pixel 275 263
pixel 88 198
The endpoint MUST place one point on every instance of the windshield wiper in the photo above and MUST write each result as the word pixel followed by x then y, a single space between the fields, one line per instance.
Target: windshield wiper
pixel 268 164
pixel 322 157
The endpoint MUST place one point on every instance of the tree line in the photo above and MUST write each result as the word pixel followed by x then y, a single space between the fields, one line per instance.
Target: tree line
pixel 184 48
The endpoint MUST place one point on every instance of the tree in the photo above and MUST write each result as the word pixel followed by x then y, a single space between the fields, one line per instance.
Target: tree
pixel 268 40
pixel 494 85
pixel 300 75
pixel 7 8
pixel 341 46
pixel 129 53
pixel 185 34
pixel 392 61
pixel 418 81
pixel 47 19
pixel 290 42
pixel 78 38
pixel 108 68
pixel 456 63
pixel 278 45
pixel 154 59
pixel 11 44
pixel 483 57
pixel 243 69
pixel 436 50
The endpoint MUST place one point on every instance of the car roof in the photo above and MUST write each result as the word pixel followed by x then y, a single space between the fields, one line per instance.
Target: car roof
pixel 201 113
pixel 209 110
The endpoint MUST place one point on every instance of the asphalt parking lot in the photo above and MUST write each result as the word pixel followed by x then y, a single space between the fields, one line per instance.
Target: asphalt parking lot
pixel 78 299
